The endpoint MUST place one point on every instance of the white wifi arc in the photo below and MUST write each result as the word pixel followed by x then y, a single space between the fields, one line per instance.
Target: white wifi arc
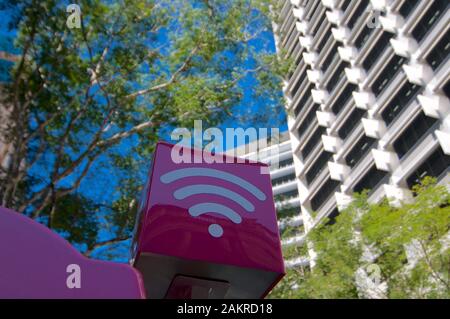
pixel 214 230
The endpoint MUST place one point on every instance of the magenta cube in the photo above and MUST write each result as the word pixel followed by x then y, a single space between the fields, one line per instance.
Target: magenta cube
pixel 207 229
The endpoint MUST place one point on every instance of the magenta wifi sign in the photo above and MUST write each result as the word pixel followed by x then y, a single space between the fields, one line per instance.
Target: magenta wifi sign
pixel 210 220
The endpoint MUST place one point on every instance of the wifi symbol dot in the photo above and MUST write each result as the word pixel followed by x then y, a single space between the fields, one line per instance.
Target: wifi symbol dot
pixel 215 230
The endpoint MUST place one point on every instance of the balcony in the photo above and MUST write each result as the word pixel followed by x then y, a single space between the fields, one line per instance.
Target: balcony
pixel 404 46
pixel 297 262
pixel 436 105
pixel 419 73
pixel 374 128
pixel 385 160
pixel 285 187
pixel 291 222
pixel 295 240
pixel 331 143
pixel 325 119
pixel 338 171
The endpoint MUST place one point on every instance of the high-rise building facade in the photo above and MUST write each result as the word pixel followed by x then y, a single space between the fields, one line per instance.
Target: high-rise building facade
pixel 284 186
pixel 368 98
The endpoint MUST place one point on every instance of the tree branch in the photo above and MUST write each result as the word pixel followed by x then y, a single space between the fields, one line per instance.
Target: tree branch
pixel 101 244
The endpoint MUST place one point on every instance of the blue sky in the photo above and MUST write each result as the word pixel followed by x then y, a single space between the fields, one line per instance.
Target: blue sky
pixel 104 190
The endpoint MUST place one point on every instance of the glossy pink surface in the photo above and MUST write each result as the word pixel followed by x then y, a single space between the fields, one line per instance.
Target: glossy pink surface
pixel 167 227
pixel 34 260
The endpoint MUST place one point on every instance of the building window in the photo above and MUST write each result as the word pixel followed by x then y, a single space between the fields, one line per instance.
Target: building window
pixel 413 134
pixel 399 102
pixel 286 162
pixel 361 148
pixel 370 181
pixel 313 9
pixel 283 179
pixel 343 98
pixel 440 52
pixel 333 54
pixel 376 51
pixel 351 122
pixel 358 13
pixel 324 39
pixel 324 193
pixel 337 75
pixel 436 164
pixel 289 195
pixel 318 24
pixel 304 99
pixel 363 37
pixel 309 119
pixel 432 15
pixel 313 141
pixel 332 217
pixel 293 34
pixel 389 72
pixel 300 80
pixel 407 7
pixel 345 5
pixel 319 164
pixel 446 89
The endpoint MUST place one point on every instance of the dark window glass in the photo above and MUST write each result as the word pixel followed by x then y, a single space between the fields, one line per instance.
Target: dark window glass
pixel 357 13
pixel 332 217
pixel 318 24
pixel 309 119
pixel 300 55
pixel 319 164
pixel 326 36
pixel 439 52
pixel 370 180
pixel 337 75
pixel 399 102
pixel 363 37
pixel 283 179
pixel 433 166
pixel 407 7
pixel 432 15
pixel 388 74
pixel 362 146
pixel 300 80
pixel 325 192
pixel 301 104
pixel 350 123
pixel 377 51
pixel 290 194
pixel 313 141
pixel 413 134
pixel 333 52
pixel 446 89
pixel 343 98
pixel 292 33
pixel 286 162
pixel 313 9
pixel 345 5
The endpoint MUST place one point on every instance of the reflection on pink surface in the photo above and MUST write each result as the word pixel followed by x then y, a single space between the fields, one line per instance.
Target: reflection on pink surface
pixel 34 263
pixel 221 213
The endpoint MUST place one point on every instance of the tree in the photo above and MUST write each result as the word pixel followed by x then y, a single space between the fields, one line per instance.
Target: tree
pixel 408 245
pixel 96 99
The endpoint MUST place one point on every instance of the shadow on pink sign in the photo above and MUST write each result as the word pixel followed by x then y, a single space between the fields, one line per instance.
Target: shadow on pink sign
pixel 37 263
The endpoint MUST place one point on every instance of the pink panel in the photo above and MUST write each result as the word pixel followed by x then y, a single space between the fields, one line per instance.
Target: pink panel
pixel 34 264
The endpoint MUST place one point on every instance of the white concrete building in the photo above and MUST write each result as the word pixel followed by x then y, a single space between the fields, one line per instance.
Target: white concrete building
pixel 368 100
pixel 285 190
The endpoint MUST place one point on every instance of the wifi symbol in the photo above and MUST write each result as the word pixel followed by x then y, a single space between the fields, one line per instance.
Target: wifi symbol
pixel 214 230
